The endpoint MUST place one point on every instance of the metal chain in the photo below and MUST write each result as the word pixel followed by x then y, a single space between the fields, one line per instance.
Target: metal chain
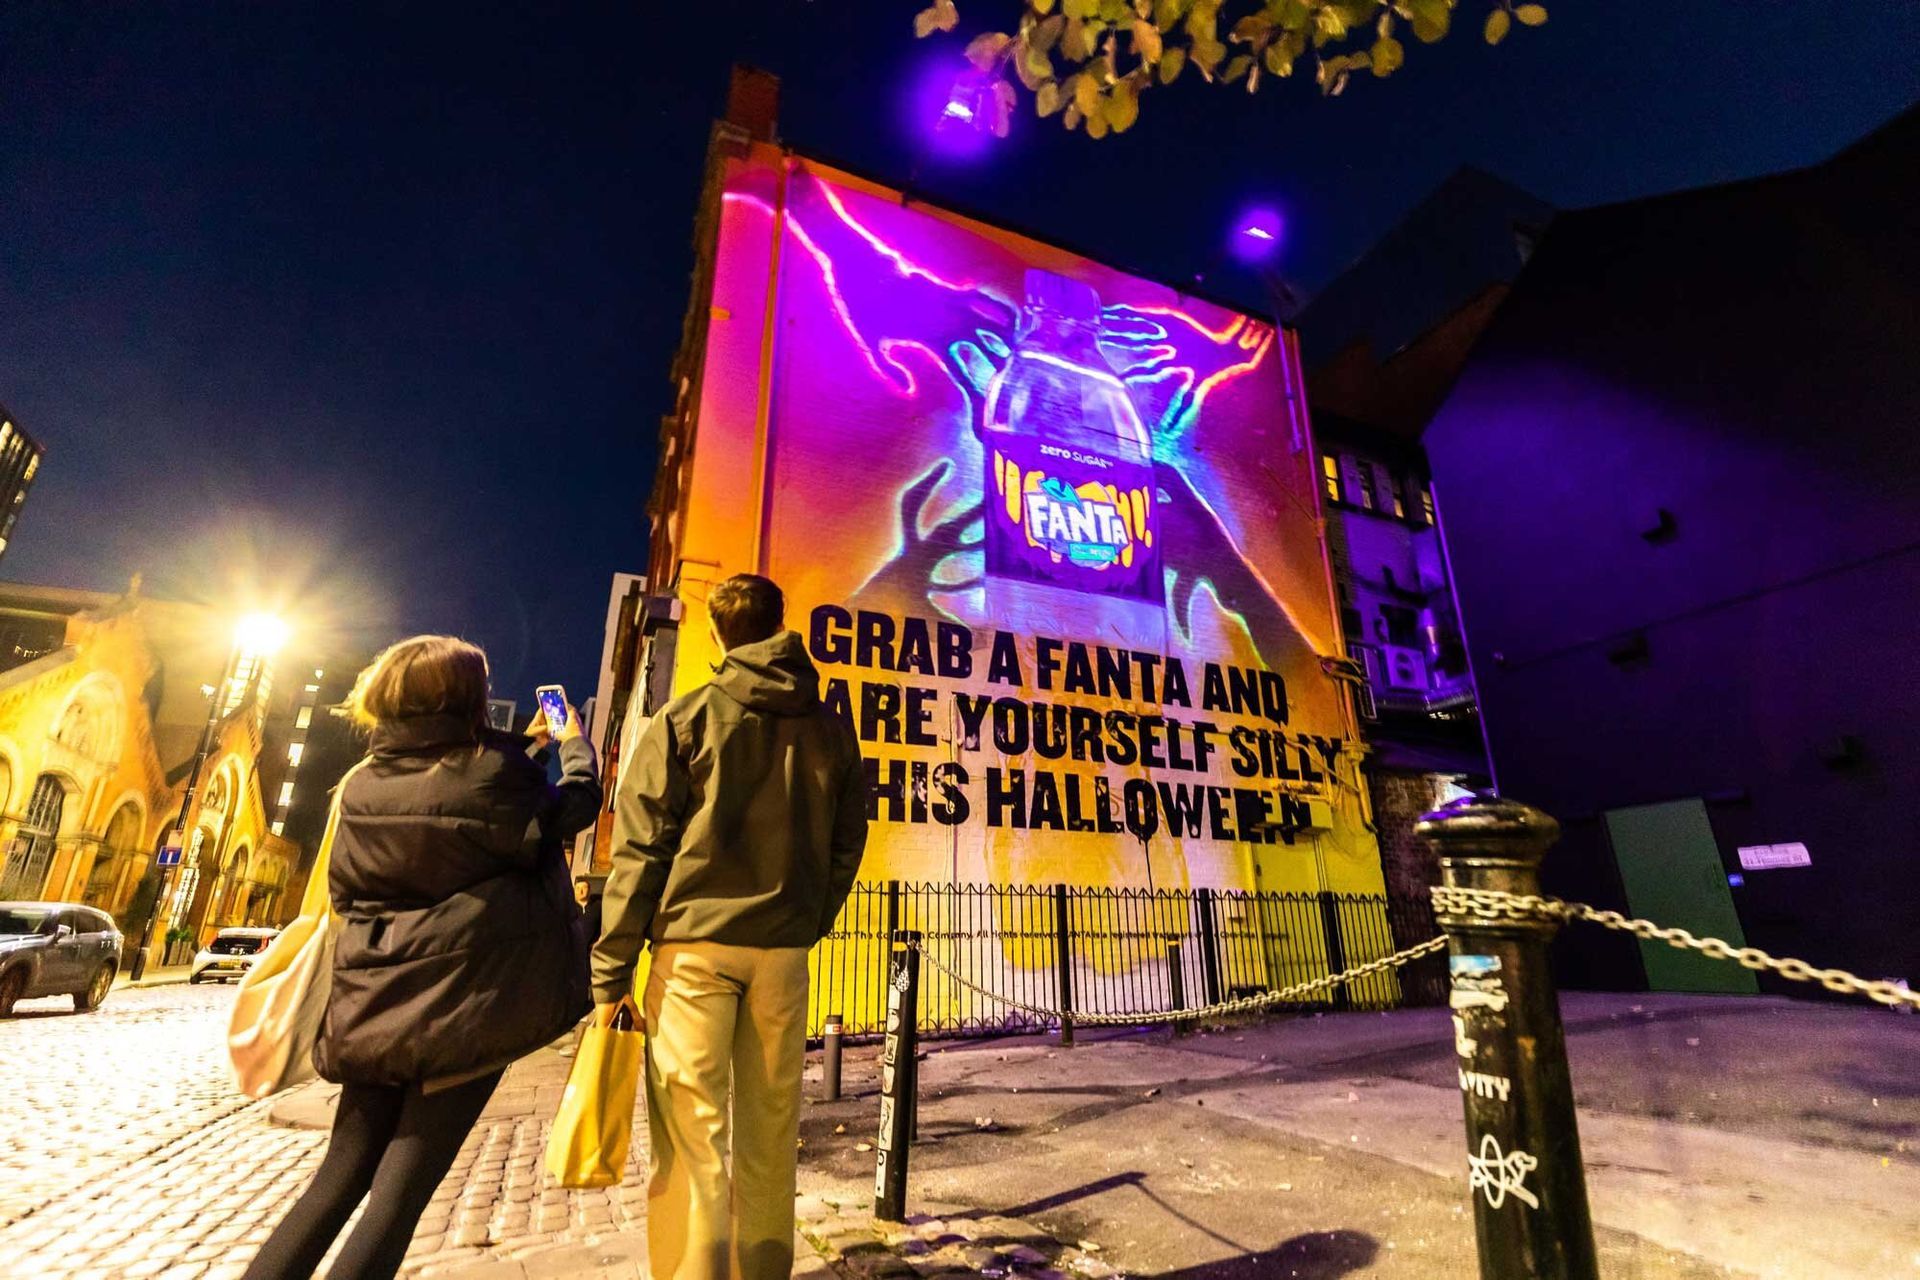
pixel 1225 1008
pixel 1496 904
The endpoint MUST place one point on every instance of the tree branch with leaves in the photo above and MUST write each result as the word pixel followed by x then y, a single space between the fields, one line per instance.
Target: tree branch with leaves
pixel 1088 61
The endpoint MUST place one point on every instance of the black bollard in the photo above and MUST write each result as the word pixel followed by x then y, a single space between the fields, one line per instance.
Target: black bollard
pixel 1063 953
pixel 830 1058
pixel 1528 1186
pixel 1177 973
pixel 898 1076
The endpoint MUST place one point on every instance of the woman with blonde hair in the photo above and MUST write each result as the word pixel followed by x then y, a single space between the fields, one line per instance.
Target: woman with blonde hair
pixel 460 945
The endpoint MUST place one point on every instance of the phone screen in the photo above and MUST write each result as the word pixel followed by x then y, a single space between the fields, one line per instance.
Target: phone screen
pixel 553 705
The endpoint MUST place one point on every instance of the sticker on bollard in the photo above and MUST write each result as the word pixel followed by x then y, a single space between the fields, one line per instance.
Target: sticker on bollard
pixel 897 1082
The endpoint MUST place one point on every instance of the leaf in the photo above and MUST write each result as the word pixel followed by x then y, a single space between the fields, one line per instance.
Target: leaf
pixel 1166 13
pixel 1033 67
pixel 1279 59
pixel 1497 23
pixel 985 49
pixel 1387 55
pixel 1046 34
pixel 1000 119
pixel 1041 6
pixel 1146 41
pixel 1080 10
pixel 1206 56
pixel 1238 67
pixel 1172 63
pixel 1096 124
pixel 1331 24
pixel 1123 107
pixel 1086 95
pixel 1533 15
pixel 1072 117
pixel 1078 43
pixel 1048 98
pixel 925 23
pixel 1431 19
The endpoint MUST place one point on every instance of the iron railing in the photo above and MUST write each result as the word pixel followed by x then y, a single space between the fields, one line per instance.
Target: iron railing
pixel 1095 950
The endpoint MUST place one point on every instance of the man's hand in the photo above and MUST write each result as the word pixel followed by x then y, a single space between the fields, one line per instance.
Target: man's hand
pixel 604 1014
pixel 569 730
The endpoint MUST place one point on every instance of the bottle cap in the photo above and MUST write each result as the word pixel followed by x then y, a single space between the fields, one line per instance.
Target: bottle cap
pixel 1056 293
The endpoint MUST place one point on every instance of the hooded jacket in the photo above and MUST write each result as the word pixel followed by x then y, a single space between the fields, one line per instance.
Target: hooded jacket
pixel 740 819
pixel 460 945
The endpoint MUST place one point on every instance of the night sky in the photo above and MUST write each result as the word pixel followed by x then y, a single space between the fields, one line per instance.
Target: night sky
pixel 368 310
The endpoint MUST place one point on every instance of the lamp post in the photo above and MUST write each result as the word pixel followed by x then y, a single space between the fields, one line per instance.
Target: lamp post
pixel 257 635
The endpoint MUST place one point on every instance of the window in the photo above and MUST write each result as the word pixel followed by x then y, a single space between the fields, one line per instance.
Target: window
pixel 1390 485
pixel 286 793
pixel 1363 474
pixel 1426 506
pixel 1330 468
pixel 1402 625
pixel 312 688
pixel 294 752
pixel 279 827
pixel 303 719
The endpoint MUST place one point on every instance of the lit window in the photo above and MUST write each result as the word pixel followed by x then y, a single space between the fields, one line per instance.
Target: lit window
pixel 313 688
pixel 1426 507
pixel 294 752
pixel 286 793
pixel 279 828
pixel 304 719
pixel 1390 485
pixel 1330 467
pixel 1364 474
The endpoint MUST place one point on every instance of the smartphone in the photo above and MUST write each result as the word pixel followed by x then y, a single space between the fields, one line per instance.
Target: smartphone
pixel 553 705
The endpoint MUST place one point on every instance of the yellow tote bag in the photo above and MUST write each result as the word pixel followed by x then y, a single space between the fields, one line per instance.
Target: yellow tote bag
pixel 587 1146
pixel 282 998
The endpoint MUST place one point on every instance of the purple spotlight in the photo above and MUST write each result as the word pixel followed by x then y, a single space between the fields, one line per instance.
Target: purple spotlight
pixel 1257 235
pixel 951 112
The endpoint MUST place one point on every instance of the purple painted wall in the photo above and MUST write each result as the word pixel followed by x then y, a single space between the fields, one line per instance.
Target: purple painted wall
pixel 1746 359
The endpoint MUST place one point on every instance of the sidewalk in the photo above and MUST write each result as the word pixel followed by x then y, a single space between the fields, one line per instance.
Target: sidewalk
pixel 1753 1137
pixel 498 1217
pixel 1723 1137
pixel 155 976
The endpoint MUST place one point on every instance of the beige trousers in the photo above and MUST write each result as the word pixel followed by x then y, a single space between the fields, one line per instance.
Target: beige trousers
pixel 723 1020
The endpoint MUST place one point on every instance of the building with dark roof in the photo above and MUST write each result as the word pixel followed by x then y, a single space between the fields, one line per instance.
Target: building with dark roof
pixel 1680 483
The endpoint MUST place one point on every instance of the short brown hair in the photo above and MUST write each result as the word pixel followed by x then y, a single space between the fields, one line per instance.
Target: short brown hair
pixel 746 608
pixel 424 675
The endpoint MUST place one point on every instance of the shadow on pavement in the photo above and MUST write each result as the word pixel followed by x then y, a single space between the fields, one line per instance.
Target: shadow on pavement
pixel 1318 1255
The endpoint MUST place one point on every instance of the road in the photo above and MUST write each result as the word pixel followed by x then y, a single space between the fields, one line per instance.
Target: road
pixel 90 1094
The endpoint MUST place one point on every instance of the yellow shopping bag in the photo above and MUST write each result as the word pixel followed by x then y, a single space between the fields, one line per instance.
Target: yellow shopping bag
pixel 588 1144
pixel 282 998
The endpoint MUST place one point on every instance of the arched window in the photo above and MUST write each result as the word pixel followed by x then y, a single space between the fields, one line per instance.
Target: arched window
pixel 90 723
pixel 6 785
pixel 31 852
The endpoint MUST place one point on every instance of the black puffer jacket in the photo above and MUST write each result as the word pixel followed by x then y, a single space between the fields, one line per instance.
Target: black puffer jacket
pixel 460 947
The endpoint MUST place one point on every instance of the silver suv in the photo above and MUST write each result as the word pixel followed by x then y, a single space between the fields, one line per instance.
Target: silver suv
pixel 56 949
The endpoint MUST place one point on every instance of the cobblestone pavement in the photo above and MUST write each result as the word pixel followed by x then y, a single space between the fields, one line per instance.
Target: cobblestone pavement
pixel 87 1093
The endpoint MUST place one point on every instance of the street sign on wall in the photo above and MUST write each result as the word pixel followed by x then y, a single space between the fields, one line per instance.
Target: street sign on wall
pixel 1768 857
pixel 169 856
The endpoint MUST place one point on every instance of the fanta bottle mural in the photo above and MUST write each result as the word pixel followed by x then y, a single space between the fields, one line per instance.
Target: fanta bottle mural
pixel 1069 486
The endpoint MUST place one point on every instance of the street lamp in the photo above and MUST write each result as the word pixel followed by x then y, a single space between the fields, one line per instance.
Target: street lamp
pixel 256 636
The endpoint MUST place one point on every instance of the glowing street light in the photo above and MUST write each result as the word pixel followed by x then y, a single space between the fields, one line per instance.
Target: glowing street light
pixel 1257 235
pixel 260 633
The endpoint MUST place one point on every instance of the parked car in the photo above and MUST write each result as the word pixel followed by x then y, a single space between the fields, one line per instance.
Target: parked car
pixel 56 949
pixel 230 954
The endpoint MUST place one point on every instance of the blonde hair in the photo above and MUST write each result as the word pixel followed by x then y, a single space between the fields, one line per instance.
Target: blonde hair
pixel 421 676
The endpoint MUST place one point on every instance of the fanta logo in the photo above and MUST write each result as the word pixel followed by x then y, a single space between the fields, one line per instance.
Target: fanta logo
pixel 1086 530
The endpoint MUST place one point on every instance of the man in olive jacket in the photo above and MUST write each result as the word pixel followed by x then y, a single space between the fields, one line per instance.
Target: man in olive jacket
pixel 738 829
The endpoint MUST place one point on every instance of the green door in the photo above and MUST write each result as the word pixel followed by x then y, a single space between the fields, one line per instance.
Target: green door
pixel 1671 868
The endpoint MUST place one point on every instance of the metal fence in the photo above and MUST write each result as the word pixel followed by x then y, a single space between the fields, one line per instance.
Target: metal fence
pixel 1092 949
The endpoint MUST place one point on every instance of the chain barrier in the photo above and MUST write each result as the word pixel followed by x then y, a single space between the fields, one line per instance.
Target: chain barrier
pixel 1495 904
pixel 1224 1008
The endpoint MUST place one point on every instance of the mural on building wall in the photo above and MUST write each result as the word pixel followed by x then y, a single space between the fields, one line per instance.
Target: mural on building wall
pixel 1049 531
